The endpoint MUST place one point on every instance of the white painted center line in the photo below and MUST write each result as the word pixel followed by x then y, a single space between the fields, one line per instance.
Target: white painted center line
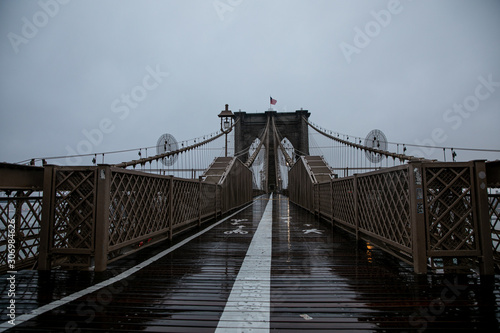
pixel 249 304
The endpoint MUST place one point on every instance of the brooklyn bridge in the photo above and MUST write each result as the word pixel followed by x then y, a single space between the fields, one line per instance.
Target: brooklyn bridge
pixel 271 223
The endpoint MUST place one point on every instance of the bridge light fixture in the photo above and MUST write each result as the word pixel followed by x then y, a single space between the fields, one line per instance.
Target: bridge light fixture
pixel 226 119
pixel 226 122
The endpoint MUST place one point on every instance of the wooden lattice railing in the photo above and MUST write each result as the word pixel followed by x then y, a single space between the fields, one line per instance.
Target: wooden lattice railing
pixel 494 214
pixel 443 206
pixel 20 215
pixel 20 220
pixel 73 206
pixel 427 214
pixel 384 207
pixel 95 215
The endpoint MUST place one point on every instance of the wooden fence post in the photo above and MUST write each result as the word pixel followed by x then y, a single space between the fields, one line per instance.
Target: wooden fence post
pixel 332 201
pixel 171 209
pixel 417 217
pixel 317 203
pixel 486 265
pixel 356 205
pixel 216 200
pixel 199 200
pixel 102 217
pixel 48 202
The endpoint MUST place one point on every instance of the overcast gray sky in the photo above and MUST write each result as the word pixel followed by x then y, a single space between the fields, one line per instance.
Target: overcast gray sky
pixel 422 71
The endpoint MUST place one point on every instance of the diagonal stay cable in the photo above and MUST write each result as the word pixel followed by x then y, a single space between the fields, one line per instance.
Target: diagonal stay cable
pixel 252 158
pixel 288 159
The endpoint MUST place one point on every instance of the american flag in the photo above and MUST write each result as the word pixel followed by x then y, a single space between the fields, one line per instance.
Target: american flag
pixel 273 101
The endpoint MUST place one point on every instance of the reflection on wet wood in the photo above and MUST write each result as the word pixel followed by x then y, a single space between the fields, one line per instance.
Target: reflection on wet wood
pixel 321 280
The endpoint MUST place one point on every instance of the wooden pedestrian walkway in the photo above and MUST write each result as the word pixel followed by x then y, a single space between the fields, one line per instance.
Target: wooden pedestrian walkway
pixel 269 267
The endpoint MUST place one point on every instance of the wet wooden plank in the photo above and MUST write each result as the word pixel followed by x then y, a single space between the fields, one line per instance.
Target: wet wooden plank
pixel 321 281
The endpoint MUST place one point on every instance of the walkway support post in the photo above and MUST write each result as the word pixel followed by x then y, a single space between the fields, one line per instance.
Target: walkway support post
pixel 200 178
pixel 171 208
pixel 486 265
pixel 102 218
pixel 44 260
pixel 356 205
pixel 332 202
pixel 417 218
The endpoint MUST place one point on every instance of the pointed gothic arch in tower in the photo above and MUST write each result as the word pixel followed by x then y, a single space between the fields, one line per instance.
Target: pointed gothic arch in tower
pixel 289 124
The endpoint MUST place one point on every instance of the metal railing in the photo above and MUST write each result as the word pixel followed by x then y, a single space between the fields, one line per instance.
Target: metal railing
pixel 494 214
pixel 493 182
pixel 95 215
pixel 427 214
pixel 20 217
pixel 236 185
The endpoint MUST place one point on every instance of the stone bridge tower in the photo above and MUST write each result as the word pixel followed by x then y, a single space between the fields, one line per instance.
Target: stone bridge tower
pixel 289 124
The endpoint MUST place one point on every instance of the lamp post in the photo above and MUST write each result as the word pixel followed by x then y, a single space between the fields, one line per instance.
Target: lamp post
pixel 226 121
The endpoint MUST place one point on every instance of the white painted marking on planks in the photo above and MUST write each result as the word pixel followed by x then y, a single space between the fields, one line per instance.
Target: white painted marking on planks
pixel 249 304
pixel 316 231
